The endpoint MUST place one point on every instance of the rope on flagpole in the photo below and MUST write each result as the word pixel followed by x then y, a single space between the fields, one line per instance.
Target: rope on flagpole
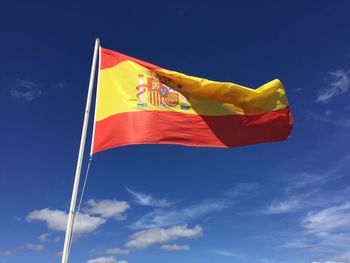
pixel 80 201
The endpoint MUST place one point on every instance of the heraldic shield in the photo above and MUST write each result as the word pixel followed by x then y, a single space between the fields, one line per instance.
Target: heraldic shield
pixel 151 89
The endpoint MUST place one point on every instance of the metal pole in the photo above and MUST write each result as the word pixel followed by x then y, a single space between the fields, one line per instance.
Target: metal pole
pixel 67 241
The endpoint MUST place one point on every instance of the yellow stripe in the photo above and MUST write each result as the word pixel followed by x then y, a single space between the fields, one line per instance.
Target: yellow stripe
pixel 268 97
pixel 118 92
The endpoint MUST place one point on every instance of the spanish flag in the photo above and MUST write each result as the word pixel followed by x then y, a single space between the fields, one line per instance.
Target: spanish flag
pixel 141 103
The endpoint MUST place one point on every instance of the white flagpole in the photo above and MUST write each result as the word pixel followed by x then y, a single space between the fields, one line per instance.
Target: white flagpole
pixel 67 241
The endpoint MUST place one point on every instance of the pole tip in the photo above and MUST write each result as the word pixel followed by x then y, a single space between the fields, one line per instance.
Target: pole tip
pixel 98 41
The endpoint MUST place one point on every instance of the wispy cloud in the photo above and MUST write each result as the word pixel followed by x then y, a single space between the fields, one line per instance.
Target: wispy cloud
pixel 304 191
pixel 326 231
pixel 48 237
pixel 57 220
pixel 60 85
pixel 35 247
pixel 345 123
pixel 227 253
pixel 30 90
pixel 308 200
pixel 175 215
pixel 102 260
pixel 150 237
pixel 5 253
pixel 162 217
pixel 105 260
pixel 298 243
pixel 302 180
pixel 26 89
pixel 175 247
pixel 243 189
pixel 117 251
pixel 148 199
pixel 292 204
pixel 44 237
pixel 339 84
pixel 107 208
pixel 329 220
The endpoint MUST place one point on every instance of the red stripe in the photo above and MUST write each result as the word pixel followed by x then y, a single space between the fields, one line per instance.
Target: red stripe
pixel 160 127
pixel 110 58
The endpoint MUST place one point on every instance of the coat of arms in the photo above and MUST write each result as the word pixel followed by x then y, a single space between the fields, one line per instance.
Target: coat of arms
pixel 158 94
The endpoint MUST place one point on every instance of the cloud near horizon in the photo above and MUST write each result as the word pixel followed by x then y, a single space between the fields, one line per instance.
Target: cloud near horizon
pixel 105 260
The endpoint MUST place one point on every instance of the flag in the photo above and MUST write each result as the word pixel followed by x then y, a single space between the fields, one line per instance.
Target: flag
pixel 140 103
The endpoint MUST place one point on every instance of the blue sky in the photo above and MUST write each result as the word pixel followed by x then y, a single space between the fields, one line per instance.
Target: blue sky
pixel 279 202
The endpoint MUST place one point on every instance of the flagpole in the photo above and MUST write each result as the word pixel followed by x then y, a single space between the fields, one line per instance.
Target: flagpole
pixel 69 230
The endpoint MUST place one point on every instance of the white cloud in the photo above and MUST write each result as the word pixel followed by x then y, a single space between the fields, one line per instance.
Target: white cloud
pixel 162 217
pixel 102 260
pixel 243 189
pixel 173 216
pixel 345 123
pixel 328 112
pixel 57 220
pixel 44 237
pixel 148 200
pixel 226 253
pixel 345 255
pixel 48 237
pixel 35 247
pixel 331 219
pixel 304 190
pixel 60 85
pixel 328 230
pixel 175 247
pixel 26 89
pixel 328 261
pixel 149 237
pixel 105 260
pixel 286 206
pixel 117 251
pixel 305 179
pixel 292 204
pixel 31 90
pixel 108 208
pixel 298 243
pixel 311 199
pixel 5 253
pixel 339 84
